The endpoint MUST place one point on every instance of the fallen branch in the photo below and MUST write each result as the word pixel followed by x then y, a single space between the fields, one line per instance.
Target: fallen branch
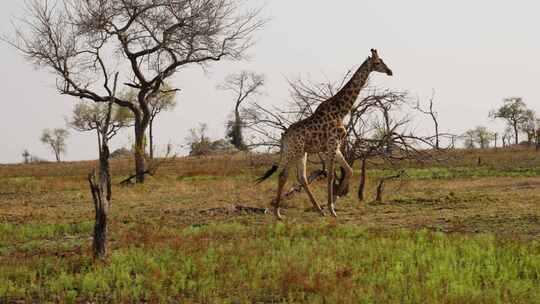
pixel 234 209
pixel 129 181
pixel 152 167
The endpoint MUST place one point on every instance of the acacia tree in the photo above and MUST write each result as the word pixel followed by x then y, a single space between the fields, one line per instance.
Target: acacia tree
pixel 244 85
pixel 514 111
pixel 56 140
pixel 88 117
pixel 482 136
pixel 85 42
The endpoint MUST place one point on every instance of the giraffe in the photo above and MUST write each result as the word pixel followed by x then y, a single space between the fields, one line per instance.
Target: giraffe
pixel 322 132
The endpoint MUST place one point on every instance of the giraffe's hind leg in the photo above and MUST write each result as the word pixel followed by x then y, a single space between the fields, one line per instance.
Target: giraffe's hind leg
pixel 283 175
pixel 330 159
pixel 301 171
pixel 343 188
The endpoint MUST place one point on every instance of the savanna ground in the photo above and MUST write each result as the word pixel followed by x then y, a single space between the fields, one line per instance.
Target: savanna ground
pixel 452 232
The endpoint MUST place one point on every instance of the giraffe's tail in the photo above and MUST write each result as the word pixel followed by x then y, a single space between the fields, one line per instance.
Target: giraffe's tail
pixel 275 166
pixel 267 174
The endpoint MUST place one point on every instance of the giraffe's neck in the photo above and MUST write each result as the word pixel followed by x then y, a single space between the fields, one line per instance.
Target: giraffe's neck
pixel 345 98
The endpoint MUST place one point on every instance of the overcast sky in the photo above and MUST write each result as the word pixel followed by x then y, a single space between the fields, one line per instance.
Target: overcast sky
pixel 473 53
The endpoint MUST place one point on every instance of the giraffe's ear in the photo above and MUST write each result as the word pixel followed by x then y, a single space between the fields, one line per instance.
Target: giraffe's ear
pixel 374 53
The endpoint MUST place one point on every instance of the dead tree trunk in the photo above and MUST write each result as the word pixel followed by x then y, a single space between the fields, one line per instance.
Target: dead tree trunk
pixel 100 188
pixel 380 187
pixel 537 139
pixel 362 185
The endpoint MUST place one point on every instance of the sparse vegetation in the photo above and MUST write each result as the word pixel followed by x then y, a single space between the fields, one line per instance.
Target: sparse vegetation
pixel 431 223
pixel 453 232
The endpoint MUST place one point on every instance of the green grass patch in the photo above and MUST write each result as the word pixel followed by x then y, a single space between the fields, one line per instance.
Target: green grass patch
pixel 290 263
pixel 25 232
pixel 458 172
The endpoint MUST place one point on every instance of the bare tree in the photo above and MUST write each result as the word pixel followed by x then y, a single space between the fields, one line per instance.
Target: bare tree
pixel 85 42
pixel 431 112
pixel 56 140
pixel 244 85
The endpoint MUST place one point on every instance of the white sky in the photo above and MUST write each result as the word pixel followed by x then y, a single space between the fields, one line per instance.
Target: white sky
pixel 473 53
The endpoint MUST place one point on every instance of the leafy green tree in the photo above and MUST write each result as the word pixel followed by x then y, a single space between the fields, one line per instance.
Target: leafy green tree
pixel 56 140
pixel 515 112
pixel 483 136
pixel 88 117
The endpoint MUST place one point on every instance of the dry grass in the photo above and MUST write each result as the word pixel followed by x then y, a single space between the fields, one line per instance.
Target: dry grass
pixel 46 219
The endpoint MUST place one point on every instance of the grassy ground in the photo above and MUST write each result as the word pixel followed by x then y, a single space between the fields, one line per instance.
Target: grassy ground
pixel 453 232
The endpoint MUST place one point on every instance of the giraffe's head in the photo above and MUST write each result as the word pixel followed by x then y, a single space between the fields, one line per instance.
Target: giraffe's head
pixel 378 65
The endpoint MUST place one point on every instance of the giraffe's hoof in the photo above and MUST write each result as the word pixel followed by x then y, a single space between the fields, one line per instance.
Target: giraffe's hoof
pixel 322 213
pixel 277 214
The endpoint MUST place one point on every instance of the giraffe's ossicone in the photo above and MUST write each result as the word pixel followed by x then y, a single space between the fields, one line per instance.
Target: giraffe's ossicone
pixel 323 132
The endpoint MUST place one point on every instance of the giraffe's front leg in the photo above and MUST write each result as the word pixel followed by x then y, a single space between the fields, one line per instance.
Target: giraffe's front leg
pixel 301 171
